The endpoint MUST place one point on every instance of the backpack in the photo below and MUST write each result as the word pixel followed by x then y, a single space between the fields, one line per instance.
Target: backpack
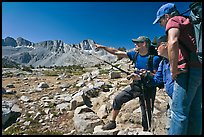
pixel 149 64
pixel 152 52
pixel 195 17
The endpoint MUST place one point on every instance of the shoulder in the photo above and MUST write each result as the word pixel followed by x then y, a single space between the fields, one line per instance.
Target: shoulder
pixel 131 54
pixel 155 57
pixel 177 19
pixel 176 22
pixel 157 60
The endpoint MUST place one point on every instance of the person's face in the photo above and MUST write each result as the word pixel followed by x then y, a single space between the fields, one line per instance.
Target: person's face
pixel 138 45
pixel 162 49
pixel 163 20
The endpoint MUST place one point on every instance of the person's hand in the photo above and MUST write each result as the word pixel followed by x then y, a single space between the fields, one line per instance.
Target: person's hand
pixel 143 71
pixel 98 46
pixel 175 73
pixel 135 76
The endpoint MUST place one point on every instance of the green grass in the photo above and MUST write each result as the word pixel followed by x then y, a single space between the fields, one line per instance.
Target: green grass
pixel 50 73
pixel 12 130
pixel 102 71
pixel 68 70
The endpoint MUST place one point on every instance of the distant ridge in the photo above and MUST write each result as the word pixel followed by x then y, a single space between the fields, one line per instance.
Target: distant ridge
pixel 53 52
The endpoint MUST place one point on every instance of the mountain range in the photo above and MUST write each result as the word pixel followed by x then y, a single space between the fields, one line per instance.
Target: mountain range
pixel 53 53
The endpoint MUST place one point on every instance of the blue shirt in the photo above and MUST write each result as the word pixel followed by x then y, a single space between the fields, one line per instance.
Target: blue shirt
pixel 142 61
pixel 163 74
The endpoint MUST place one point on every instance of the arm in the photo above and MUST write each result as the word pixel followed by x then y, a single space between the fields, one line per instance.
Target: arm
pixel 155 79
pixel 156 62
pixel 173 50
pixel 113 51
pixel 158 77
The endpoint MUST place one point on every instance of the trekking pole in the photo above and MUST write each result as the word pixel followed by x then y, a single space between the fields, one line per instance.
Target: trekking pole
pixel 151 115
pixel 126 72
pixel 145 107
pixel 147 110
pixel 151 121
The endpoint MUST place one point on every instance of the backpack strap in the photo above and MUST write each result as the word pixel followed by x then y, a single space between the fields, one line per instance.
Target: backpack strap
pixel 135 58
pixel 150 62
pixel 191 7
pixel 192 55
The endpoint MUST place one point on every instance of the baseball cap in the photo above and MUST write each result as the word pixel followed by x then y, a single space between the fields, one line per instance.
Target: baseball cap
pixel 164 9
pixel 141 39
pixel 162 39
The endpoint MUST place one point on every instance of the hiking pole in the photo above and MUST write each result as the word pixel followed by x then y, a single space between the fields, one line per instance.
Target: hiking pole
pixel 148 101
pixel 151 116
pixel 126 72
pixel 145 107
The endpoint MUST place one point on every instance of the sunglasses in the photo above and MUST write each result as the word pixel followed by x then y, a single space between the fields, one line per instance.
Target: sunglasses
pixel 139 42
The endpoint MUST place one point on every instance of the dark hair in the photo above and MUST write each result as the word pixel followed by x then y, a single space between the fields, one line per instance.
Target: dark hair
pixel 174 13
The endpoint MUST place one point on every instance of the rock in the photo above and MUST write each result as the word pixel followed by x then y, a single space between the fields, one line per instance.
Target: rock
pixel 25 78
pixel 47 110
pixel 62 107
pixel 94 73
pixel 129 131
pixel 38 89
pixel 66 85
pixel 43 85
pixel 80 83
pixel 75 102
pixel 16 108
pixel 64 89
pixel 25 98
pixel 86 76
pixel 10 86
pixel 97 85
pixel 27 123
pixel 58 82
pixel 99 131
pixel 63 97
pixel 10 91
pixel 10 113
pixel 3 91
pixel 115 74
pixel 37 115
pixel 85 120
pixel 71 133
pixel 102 113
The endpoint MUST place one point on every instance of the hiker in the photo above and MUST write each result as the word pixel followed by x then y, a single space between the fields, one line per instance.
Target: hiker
pixel 135 89
pixel 187 95
pixel 163 75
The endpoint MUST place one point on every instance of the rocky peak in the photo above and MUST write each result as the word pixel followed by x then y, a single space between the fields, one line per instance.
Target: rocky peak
pixel 23 42
pixel 55 52
pixel 87 44
pixel 56 43
pixel 9 41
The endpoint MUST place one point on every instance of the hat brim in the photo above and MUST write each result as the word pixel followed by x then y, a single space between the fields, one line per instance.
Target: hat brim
pixel 136 40
pixel 156 20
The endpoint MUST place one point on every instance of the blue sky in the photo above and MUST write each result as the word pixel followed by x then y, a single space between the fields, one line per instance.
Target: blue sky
pixel 109 23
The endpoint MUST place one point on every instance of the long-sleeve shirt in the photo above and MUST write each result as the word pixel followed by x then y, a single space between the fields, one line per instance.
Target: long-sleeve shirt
pixel 163 74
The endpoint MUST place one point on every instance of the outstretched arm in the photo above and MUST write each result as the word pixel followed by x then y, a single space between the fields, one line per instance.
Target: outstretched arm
pixel 113 51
